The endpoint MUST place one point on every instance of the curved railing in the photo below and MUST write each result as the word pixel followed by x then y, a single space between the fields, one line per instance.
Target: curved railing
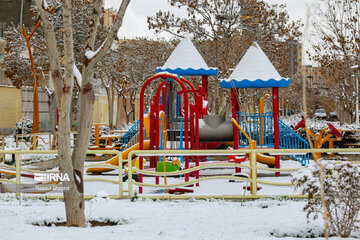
pixel 291 140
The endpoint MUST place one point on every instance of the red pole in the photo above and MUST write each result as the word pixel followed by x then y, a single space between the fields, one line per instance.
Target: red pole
pixel 163 105
pixel 186 107
pixel 275 93
pixel 197 116
pixel 200 101
pixel 192 116
pixel 152 132
pixel 234 105
pixel 192 145
pixel 157 132
pixel 205 86
pixel 158 108
pixel 170 114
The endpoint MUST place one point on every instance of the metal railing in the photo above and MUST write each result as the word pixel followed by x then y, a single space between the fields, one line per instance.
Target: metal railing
pixel 259 126
pixel 19 169
pixel 131 170
pixel 35 138
pixel 38 138
pixel 290 140
pixel 253 169
pixel 131 137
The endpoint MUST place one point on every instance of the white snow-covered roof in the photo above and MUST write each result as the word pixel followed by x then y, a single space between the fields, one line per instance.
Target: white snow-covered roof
pixel 255 71
pixel 186 60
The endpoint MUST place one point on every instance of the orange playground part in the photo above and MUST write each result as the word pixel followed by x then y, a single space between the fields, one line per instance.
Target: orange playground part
pixel 269 160
pixel 115 160
pixel 321 138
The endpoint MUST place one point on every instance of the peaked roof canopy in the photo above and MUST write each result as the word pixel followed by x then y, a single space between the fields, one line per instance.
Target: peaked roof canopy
pixel 186 60
pixel 255 71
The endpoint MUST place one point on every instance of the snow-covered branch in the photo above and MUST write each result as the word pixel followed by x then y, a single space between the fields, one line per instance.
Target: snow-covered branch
pixel 77 76
pixel 100 53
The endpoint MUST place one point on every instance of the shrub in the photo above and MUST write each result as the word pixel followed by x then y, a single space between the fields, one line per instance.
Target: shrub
pixel 24 127
pixel 342 194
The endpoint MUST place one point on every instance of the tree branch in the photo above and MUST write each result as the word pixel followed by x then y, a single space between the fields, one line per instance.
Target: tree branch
pixel 100 53
pixel 52 49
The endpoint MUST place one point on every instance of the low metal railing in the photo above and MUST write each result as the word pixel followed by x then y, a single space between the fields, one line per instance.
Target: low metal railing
pixel 119 181
pixel 252 166
pixel 19 168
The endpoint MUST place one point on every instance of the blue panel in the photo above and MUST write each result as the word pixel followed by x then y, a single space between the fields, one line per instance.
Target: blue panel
pixel 190 71
pixel 255 84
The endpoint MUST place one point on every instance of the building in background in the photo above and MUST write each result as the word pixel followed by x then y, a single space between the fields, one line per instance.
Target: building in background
pixel 109 17
pixel 313 75
pixel 295 56
pixel 14 11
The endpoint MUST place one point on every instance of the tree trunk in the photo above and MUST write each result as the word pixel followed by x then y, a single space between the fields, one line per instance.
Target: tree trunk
pixel 52 119
pixel 127 114
pixel 118 111
pixel 73 165
pixel 74 110
pixel 74 198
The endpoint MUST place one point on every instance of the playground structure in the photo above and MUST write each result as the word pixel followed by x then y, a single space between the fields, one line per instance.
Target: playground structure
pixel 177 117
pixel 322 137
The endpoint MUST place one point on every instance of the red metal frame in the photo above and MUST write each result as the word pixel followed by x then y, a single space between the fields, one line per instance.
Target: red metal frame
pixel 275 93
pixel 234 109
pixel 141 120
pixel 205 86
pixel 152 132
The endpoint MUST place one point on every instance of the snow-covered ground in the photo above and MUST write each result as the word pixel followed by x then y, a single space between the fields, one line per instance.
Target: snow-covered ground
pixel 147 219
pixel 177 219
pixel 316 124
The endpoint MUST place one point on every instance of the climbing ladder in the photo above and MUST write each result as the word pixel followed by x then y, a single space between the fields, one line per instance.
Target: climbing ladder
pixel 131 137
pixel 291 140
pixel 259 126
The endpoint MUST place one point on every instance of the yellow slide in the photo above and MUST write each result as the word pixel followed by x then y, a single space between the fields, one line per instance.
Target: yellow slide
pixel 115 160
pixel 269 160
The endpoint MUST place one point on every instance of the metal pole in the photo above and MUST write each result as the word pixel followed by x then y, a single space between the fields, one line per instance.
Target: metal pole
pixel 356 67
pixel 275 93
pixel 18 176
pixel 21 12
pixel 357 98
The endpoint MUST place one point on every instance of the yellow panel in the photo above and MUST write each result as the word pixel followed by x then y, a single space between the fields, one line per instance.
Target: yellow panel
pixel 10 106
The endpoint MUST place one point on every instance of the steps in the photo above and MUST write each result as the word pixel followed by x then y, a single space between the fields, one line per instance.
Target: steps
pixel 291 140
pixel 260 128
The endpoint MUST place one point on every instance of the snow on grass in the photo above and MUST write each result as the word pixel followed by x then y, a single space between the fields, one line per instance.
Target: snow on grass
pixel 147 219
pixel 316 124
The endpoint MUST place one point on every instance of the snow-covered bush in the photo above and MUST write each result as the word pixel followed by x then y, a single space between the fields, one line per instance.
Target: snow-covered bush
pixel 24 126
pixel 342 194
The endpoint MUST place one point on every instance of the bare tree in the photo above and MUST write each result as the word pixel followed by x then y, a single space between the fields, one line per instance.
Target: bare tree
pixel 225 29
pixel 63 80
pixel 141 57
pixel 335 45
pixel 111 70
